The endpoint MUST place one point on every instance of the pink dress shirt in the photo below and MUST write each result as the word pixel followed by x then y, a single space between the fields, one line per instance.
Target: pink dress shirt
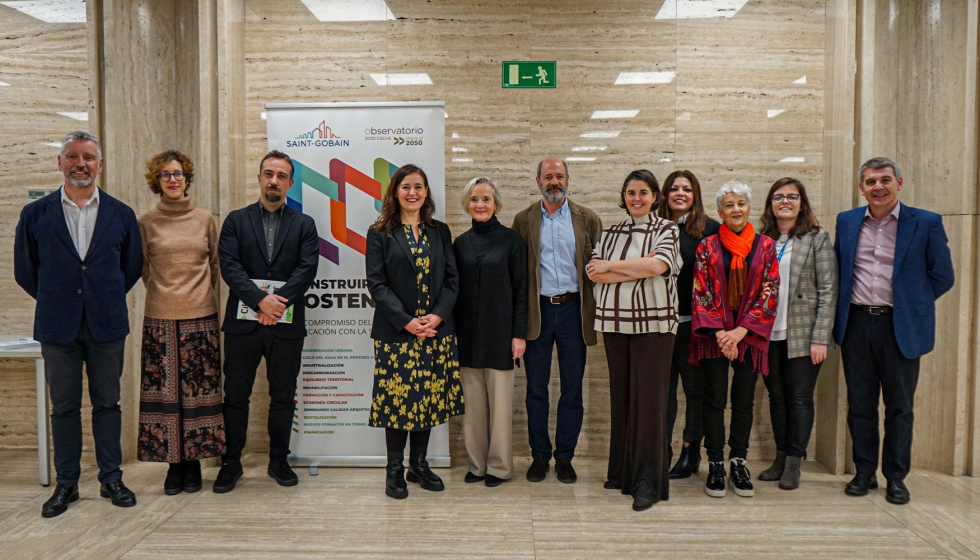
pixel 874 261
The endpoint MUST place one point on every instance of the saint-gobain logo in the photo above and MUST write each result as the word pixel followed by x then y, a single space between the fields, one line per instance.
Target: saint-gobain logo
pixel 321 136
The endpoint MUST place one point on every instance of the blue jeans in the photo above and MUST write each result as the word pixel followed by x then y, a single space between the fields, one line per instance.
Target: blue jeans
pixel 63 371
pixel 562 325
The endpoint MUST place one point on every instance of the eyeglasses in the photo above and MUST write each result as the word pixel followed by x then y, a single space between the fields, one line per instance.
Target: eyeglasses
pixel 166 175
pixel 782 197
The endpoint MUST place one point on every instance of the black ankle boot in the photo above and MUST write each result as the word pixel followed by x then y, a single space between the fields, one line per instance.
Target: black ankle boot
pixel 688 463
pixel 418 471
pixel 192 476
pixel 395 486
pixel 175 480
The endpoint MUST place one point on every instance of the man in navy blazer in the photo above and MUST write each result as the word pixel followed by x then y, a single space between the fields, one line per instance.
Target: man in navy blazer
pixel 77 252
pixel 895 263
pixel 267 240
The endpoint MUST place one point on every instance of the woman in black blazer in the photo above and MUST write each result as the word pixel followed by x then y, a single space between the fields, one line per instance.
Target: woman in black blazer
pixel 491 322
pixel 411 274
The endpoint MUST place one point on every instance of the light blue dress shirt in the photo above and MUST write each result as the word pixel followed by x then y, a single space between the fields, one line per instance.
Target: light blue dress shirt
pixel 558 273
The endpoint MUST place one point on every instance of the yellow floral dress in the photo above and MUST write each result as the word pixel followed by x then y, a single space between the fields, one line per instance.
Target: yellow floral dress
pixel 417 384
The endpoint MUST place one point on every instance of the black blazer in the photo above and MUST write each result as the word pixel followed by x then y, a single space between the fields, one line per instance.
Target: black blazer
pixel 47 266
pixel 685 280
pixel 492 305
pixel 392 282
pixel 242 252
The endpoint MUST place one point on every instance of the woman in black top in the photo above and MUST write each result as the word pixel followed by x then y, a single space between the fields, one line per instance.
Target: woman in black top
pixel 682 191
pixel 491 323
pixel 411 274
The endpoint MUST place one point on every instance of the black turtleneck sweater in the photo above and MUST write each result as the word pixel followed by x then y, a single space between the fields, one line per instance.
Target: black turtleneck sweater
pixel 491 308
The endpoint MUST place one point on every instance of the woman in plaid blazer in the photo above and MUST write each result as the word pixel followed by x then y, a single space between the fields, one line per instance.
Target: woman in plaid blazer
pixel 804 323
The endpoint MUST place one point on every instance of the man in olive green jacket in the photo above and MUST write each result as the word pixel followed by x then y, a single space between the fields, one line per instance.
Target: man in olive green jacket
pixel 559 236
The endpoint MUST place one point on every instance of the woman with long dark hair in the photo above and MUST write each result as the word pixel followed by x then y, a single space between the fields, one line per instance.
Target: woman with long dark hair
pixel 411 274
pixel 635 270
pixel 682 204
pixel 804 323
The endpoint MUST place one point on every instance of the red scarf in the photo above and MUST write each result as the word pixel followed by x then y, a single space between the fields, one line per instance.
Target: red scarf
pixel 739 245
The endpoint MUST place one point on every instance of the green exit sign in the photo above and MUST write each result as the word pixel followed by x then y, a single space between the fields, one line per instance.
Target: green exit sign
pixel 529 74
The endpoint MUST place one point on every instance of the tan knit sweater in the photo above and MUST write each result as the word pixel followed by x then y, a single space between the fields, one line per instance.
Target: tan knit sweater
pixel 180 260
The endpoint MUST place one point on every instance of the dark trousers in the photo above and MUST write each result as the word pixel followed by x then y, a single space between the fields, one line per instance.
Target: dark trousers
pixel 790 384
pixel 561 325
pixel 63 372
pixel 283 356
pixel 639 374
pixel 715 402
pixel 693 379
pixel 873 365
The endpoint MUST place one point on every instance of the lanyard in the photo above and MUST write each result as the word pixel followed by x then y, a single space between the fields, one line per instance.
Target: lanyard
pixel 779 257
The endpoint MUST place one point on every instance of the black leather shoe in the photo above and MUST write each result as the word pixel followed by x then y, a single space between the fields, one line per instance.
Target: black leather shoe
pixel 860 484
pixel 419 472
pixel 640 503
pixel 611 485
pixel 228 476
pixel 897 492
pixel 688 463
pixel 192 476
pixel 58 503
pixel 740 478
pixel 564 471
pixel 493 481
pixel 174 484
pixel 280 471
pixel 471 478
pixel 539 467
pixel 715 486
pixel 118 493
pixel 395 486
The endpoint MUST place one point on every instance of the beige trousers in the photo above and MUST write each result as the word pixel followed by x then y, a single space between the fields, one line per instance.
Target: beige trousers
pixel 489 420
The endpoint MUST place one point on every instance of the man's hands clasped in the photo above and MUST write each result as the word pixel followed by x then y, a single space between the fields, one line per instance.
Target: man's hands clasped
pixel 271 309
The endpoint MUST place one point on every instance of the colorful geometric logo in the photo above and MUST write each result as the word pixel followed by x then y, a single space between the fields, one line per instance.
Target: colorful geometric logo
pixel 321 131
pixel 334 188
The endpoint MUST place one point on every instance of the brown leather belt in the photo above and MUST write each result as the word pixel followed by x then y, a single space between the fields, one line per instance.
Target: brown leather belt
pixel 555 300
pixel 872 310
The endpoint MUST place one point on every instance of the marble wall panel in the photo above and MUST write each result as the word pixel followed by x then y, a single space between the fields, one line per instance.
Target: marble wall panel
pixel 731 88
pixel 786 26
pixel 459 25
pixel 22 34
pixel 617 24
pixel 41 86
pixel 289 26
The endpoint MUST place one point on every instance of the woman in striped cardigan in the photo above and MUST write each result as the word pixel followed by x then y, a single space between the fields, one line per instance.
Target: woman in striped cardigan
pixel 635 269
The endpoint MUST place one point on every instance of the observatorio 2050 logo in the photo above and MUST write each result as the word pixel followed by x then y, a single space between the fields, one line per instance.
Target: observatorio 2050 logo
pixel 398 135
pixel 321 137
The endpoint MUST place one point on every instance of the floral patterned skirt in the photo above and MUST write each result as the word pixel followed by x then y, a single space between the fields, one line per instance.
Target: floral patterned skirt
pixel 180 391
pixel 417 385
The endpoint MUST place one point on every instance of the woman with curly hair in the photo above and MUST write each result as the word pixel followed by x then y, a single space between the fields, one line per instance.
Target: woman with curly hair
pixel 180 419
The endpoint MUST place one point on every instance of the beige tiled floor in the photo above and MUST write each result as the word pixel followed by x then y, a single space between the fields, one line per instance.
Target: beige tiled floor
pixel 343 513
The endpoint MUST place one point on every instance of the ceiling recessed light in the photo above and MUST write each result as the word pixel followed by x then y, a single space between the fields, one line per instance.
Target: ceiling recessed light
pixel 801 80
pixel 589 149
pixel 52 144
pixel 455 136
pixel 632 78
pixel 774 112
pixel 462 160
pixel 459 149
pixel 665 160
pixel 579 158
pixel 793 160
pixel 349 10
pixel 78 116
pixel 609 134
pixel 614 114
pixel 51 11
pixel 402 79
pixel 699 9
pixel 262 114
pixel 4 84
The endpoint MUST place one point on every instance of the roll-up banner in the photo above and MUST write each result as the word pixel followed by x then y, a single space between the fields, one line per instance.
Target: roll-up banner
pixel 343 156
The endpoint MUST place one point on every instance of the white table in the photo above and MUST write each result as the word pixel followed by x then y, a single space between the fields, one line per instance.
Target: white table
pixel 43 413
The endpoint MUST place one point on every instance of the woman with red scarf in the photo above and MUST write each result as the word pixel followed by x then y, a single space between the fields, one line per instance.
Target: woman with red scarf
pixel 736 284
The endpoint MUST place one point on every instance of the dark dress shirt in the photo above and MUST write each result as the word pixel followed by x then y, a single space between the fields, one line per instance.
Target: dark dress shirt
pixel 270 225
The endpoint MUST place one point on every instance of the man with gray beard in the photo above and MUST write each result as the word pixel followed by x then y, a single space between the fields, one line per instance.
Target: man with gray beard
pixel 559 236
pixel 77 252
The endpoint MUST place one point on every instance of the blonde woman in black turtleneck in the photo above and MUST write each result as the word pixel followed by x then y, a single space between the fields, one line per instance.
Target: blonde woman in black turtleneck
pixel 491 324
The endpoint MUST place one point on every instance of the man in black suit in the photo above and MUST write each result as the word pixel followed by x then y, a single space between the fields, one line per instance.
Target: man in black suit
pixel 265 241
pixel 77 252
